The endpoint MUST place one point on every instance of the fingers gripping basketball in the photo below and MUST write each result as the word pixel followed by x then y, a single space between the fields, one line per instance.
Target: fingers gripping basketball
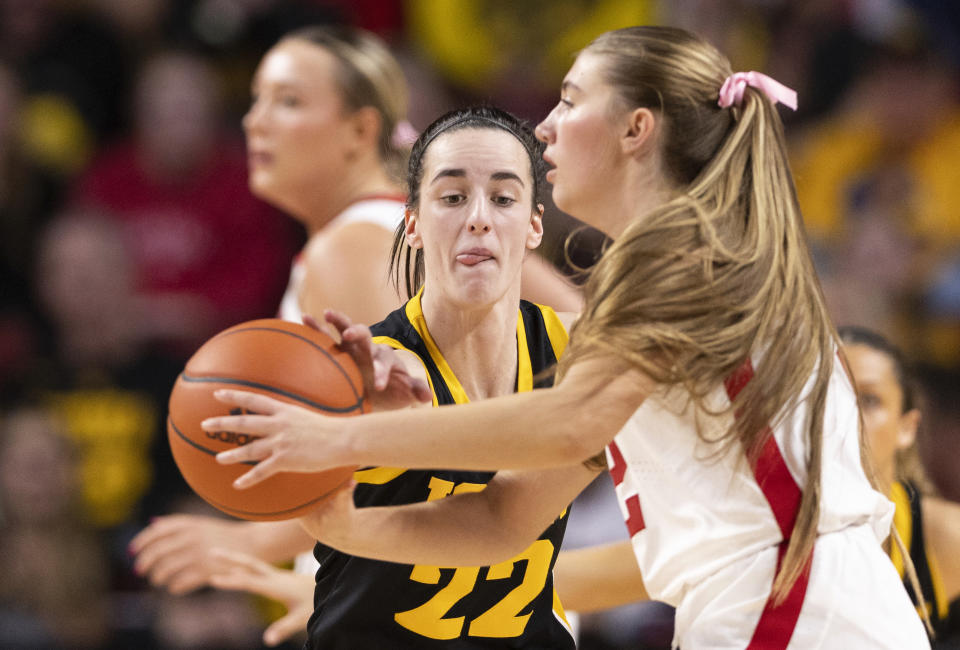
pixel 278 359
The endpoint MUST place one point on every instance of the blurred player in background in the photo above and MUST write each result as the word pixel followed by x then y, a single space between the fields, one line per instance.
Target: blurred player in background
pixel 929 526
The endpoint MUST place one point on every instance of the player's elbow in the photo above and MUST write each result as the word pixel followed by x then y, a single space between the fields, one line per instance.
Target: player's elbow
pixel 585 428
pixel 510 541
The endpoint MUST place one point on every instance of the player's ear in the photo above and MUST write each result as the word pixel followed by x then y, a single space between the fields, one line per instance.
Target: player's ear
pixel 411 225
pixel 639 131
pixel 366 123
pixel 907 431
pixel 535 231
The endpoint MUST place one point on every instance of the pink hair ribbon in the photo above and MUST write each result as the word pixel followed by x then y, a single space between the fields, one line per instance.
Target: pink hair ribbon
pixel 731 92
pixel 404 134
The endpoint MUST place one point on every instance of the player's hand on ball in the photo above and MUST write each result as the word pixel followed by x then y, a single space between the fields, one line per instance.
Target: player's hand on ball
pixel 292 438
pixel 173 551
pixel 236 571
pixel 386 381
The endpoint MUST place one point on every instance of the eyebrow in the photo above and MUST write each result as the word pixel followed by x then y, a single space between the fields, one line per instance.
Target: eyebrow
pixel 567 85
pixel 506 176
pixel 460 173
pixel 283 85
pixel 445 173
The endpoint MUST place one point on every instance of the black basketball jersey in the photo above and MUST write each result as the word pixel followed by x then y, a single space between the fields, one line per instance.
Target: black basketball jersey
pixel 908 520
pixel 361 603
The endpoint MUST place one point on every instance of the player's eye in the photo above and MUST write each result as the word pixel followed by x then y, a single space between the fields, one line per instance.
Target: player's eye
pixel 453 199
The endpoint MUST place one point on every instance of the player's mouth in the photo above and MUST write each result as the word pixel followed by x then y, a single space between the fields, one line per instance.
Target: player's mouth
pixel 552 172
pixel 257 158
pixel 474 256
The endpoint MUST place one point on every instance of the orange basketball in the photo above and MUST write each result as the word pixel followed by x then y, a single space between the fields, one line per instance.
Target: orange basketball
pixel 287 361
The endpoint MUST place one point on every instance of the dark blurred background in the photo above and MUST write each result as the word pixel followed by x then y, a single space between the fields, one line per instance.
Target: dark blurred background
pixel 128 236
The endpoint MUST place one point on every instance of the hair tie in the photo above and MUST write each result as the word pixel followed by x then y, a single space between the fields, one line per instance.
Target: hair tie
pixel 404 135
pixel 731 92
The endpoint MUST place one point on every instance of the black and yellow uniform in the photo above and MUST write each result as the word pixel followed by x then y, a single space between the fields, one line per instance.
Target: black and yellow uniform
pixel 361 603
pixel 908 519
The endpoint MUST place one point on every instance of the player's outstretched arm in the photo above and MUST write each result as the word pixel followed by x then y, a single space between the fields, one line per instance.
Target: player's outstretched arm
pixel 543 428
pixel 174 550
pixel 598 577
pixel 472 529
pixel 941 526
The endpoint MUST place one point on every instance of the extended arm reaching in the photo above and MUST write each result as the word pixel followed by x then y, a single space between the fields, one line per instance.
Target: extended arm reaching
pixel 598 577
pixel 474 529
pixel 174 551
pixel 544 428
pixel 241 572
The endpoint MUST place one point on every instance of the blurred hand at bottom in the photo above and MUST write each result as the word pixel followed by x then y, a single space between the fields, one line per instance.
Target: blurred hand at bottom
pixel 235 571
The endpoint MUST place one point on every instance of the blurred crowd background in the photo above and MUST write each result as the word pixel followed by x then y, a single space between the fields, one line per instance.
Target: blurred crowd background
pixel 128 236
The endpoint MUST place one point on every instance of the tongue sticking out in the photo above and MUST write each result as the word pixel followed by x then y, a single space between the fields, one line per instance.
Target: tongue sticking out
pixel 471 259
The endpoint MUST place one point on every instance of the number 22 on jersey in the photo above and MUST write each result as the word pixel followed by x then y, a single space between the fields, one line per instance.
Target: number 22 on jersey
pixel 503 619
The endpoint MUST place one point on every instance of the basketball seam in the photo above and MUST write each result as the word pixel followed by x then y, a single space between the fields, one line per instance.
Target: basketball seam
pixel 306 340
pixel 273 389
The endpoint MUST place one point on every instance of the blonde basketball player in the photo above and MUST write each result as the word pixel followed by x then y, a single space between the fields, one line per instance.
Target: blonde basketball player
pixel 327 105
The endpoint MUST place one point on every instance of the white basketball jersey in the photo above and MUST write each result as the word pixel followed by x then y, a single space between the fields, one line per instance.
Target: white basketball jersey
pixel 701 520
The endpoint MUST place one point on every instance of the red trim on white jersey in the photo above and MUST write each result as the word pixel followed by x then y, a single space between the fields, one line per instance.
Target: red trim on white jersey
pixel 618 468
pixel 781 491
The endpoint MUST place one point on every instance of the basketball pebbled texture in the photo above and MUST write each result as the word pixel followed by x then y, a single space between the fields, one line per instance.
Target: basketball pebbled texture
pixel 287 361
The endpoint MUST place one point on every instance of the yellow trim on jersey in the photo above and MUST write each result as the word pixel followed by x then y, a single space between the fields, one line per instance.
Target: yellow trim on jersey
pixel 414 311
pixel 377 475
pixel 556 332
pixel 524 367
pixel 559 611
pixel 902 521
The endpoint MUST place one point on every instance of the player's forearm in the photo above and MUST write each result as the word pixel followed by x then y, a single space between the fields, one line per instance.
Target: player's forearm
pixel 499 433
pixel 471 529
pixel 598 577
pixel 457 531
pixel 539 429
pixel 276 541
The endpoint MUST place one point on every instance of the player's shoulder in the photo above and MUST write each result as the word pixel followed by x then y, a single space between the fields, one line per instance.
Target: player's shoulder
pixel 347 235
pixel 347 252
pixel 379 211
pixel 942 517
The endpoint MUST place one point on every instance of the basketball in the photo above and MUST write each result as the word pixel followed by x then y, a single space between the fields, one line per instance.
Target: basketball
pixel 283 360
